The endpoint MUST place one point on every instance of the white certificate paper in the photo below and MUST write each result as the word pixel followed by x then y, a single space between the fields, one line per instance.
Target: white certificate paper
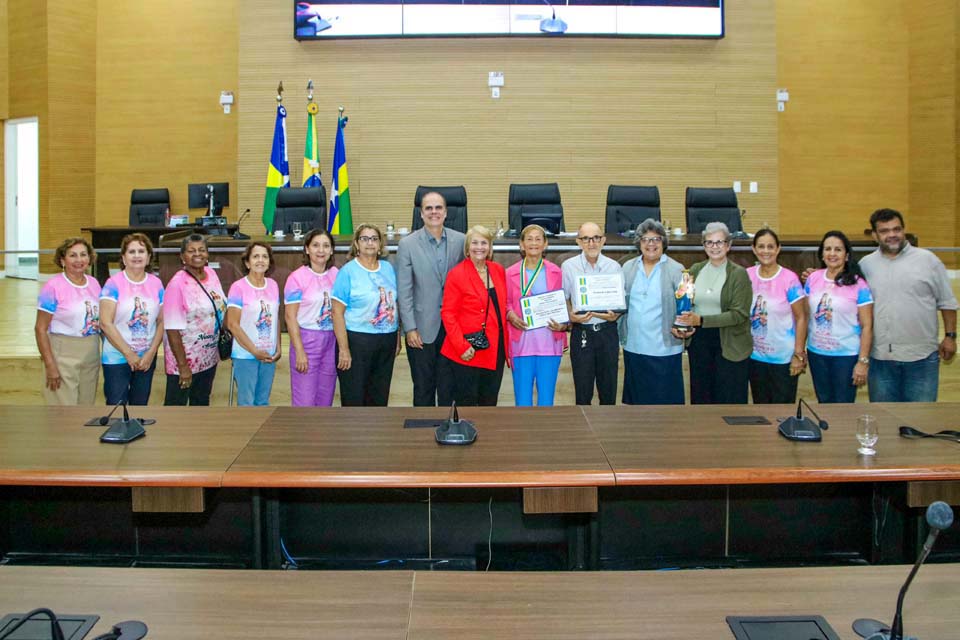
pixel 537 310
pixel 602 292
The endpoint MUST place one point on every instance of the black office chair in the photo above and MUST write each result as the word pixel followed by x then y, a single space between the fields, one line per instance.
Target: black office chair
pixel 456 198
pixel 712 205
pixel 298 204
pixel 535 204
pixel 148 207
pixel 627 207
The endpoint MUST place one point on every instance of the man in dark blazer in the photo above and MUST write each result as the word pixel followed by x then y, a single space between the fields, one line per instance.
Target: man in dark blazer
pixel 423 260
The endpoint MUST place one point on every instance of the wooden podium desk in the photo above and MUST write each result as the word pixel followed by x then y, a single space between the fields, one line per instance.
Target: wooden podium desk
pixel 398 605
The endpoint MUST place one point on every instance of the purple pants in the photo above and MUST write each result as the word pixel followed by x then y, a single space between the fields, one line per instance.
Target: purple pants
pixel 315 387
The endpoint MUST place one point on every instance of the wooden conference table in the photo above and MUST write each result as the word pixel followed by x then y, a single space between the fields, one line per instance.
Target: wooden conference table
pixel 397 605
pixel 560 457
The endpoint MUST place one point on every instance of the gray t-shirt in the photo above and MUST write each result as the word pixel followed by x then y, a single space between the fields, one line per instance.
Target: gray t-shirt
pixel 907 290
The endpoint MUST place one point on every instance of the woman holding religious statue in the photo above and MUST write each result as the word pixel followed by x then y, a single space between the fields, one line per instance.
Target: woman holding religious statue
pixel 652 354
pixel 718 329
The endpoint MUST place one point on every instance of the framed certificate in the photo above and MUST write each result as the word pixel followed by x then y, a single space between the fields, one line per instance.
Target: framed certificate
pixel 539 309
pixel 603 292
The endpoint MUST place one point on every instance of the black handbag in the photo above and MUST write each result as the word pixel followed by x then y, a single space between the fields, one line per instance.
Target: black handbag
pixel 224 337
pixel 478 339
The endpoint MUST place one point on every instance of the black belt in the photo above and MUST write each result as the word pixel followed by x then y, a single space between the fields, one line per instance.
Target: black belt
pixel 599 326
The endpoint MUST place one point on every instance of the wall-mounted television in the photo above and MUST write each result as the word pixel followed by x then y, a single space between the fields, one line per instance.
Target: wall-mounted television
pixel 323 19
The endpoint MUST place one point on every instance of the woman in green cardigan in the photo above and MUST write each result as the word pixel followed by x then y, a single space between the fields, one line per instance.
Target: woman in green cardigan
pixel 721 344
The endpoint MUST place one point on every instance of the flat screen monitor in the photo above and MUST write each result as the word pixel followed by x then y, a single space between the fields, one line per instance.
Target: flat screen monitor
pixel 197 195
pixel 325 19
pixel 552 221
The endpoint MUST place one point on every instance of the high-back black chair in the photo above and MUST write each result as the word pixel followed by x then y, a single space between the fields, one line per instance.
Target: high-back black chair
pixel 307 205
pixel 148 207
pixel 456 198
pixel 628 206
pixel 712 205
pixel 535 203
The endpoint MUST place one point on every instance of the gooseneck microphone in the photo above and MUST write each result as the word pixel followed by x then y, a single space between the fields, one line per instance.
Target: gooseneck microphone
pixel 105 420
pixel 238 235
pixel 939 517
pixel 822 423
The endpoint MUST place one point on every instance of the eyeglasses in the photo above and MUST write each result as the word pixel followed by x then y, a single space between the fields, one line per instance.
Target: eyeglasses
pixel 589 239
pixel 368 239
pixel 651 240
pixel 713 244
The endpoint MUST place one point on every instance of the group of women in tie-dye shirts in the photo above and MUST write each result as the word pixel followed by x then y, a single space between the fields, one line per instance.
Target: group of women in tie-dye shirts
pixel 133 313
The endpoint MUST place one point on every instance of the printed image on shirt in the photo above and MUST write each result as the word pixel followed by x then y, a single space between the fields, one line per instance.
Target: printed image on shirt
pixel 91 319
pixel 385 314
pixel 758 318
pixel 264 326
pixel 325 319
pixel 823 315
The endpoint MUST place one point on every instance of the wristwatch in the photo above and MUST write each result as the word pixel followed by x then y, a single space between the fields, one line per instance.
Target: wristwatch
pixel 950 334
pixel 863 360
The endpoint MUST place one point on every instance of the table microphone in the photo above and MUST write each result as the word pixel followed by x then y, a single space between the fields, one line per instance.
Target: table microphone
pixel 939 517
pixel 105 420
pixel 129 630
pixel 237 235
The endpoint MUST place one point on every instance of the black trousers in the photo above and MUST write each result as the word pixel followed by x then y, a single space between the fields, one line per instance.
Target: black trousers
pixel 772 383
pixel 595 359
pixel 432 378
pixel 713 378
pixel 367 382
pixel 197 395
pixel 475 386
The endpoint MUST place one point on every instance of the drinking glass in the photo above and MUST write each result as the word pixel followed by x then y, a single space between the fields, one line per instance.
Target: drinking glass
pixel 867 435
pixel 390 227
pixel 297 230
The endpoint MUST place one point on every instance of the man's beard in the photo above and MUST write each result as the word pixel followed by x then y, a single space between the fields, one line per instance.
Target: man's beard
pixel 892 251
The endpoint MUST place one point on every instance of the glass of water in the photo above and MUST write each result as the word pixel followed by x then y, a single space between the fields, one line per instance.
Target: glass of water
pixel 297 230
pixel 867 435
pixel 390 227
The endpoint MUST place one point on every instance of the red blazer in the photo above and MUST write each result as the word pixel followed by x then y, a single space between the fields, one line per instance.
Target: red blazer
pixel 464 303
pixel 554 282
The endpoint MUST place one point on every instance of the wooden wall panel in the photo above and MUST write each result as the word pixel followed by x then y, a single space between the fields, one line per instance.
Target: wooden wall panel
pixel 843 139
pixel 71 139
pixel 160 69
pixel 933 121
pixel 27 42
pixel 582 112
pixel 4 68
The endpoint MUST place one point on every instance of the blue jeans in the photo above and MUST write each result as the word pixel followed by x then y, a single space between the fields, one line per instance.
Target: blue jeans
pixel 895 381
pixel 254 381
pixel 539 370
pixel 833 377
pixel 121 383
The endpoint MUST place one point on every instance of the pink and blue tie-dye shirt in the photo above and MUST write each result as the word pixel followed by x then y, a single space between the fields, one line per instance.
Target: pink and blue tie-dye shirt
pixel 137 309
pixel 312 292
pixel 187 309
pixel 259 309
pixel 75 309
pixel 834 327
pixel 771 315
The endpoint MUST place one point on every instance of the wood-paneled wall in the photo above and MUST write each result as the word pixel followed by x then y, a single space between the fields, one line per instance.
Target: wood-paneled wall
pixel 583 112
pixel 843 138
pixel 27 93
pixel 71 108
pixel 933 120
pixel 160 69
pixel 4 109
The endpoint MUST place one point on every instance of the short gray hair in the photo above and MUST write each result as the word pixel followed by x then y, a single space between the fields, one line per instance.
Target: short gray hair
pixel 716 227
pixel 652 225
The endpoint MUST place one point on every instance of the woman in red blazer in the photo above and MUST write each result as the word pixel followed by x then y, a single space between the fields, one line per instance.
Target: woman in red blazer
pixel 475 299
pixel 534 353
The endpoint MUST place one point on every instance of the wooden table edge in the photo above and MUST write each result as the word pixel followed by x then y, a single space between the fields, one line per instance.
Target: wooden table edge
pixel 791 475
pixel 482 479
pixel 54 478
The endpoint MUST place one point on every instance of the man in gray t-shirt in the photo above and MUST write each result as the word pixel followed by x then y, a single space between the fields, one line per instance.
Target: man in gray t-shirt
pixel 909 285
